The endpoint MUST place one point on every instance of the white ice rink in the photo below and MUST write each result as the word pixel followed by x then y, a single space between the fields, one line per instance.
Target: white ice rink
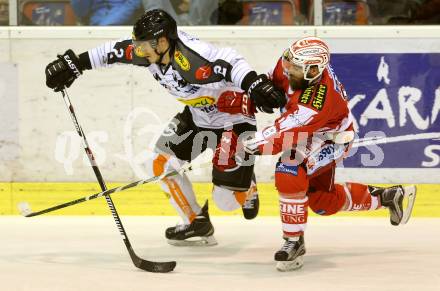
pixel 87 253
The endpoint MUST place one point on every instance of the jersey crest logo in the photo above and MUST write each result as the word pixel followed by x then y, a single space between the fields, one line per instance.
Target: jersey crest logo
pixel 306 95
pixel 319 99
pixel 129 53
pixel 203 73
pixel 199 102
pixel 182 61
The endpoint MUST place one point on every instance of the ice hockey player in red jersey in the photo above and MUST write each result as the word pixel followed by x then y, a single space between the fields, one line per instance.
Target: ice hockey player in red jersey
pixel 196 73
pixel 314 133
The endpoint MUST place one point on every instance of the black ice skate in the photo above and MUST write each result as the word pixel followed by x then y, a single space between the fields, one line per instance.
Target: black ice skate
pixel 198 233
pixel 290 256
pixel 393 198
pixel 252 204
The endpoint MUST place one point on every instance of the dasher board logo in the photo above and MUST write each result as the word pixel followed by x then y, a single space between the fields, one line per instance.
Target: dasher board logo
pixel 182 61
pixel 398 94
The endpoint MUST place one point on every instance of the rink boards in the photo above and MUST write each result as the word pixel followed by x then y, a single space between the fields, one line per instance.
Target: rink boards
pixel 150 200
pixel 123 109
pixel 390 73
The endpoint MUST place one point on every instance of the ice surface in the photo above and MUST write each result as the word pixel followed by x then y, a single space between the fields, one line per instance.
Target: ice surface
pixel 86 253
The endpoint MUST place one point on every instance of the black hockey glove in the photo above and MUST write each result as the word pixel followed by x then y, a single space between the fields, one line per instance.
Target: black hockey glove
pixel 63 71
pixel 265 95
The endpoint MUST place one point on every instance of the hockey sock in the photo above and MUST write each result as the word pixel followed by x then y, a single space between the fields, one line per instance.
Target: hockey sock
pixel 182 198
pixel 358 197
pixel 293 216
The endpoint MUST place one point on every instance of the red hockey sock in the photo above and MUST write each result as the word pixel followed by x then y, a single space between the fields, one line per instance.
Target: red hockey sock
pixel 358 197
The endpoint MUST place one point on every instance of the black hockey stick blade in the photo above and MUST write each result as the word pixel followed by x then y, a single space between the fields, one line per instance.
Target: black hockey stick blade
pixel 155 267
pixel 149 266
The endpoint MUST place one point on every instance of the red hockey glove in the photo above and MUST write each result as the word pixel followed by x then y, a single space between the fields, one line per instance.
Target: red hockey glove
pixel 224 156
pixel 236 103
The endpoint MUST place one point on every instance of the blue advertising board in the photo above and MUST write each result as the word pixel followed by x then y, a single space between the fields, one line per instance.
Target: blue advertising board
pixel 399 95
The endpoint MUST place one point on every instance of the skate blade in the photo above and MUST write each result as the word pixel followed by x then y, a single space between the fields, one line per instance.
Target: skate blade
pixel 286 266
pixel 203 241
pixel 410 194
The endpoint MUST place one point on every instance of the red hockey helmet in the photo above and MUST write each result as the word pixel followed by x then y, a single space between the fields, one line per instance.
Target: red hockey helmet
pixel 305 53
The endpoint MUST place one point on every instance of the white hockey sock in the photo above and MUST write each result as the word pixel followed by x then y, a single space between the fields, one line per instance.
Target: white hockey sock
pixel 182 196
pixel 293 214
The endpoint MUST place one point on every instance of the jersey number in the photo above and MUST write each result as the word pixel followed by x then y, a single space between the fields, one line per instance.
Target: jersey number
pixel 119 53
pixel 220 70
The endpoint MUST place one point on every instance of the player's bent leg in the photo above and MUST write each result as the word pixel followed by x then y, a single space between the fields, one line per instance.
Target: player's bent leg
pixel 324 197
pixel 292 183
pixel 234 189
pixel 359 197
pixel 327 198
pixel 226 199
pixel 398 199
pixel 230 200
pixel 326 202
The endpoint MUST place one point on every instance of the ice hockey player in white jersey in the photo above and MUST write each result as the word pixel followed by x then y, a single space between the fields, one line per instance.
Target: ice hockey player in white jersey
pixel 197 74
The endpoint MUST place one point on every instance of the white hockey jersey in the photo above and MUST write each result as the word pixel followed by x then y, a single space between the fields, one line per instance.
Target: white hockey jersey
pixel 199 73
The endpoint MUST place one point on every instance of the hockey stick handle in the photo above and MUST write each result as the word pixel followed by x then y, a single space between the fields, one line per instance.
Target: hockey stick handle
pixel 95 167
pixel 186 168
pixel 84 141
pixel 163 267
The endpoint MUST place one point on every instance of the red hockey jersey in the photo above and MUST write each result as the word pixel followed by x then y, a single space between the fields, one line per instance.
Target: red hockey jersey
pixel 319 110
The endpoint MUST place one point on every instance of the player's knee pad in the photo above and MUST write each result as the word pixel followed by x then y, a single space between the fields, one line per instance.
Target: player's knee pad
pixel 326 203
pixel 225 199
pixel 291 180
pixel 159 163
pixel 162 163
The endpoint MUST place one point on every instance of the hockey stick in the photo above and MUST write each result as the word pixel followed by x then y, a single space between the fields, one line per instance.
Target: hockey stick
pixel 376 140
pixel 26 211
pixel 157 267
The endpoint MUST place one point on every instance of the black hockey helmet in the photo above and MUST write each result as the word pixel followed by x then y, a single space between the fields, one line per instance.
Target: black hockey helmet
pixel 154 24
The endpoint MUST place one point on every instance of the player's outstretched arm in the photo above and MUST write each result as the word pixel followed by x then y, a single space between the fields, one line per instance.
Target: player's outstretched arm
pixel 63 71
